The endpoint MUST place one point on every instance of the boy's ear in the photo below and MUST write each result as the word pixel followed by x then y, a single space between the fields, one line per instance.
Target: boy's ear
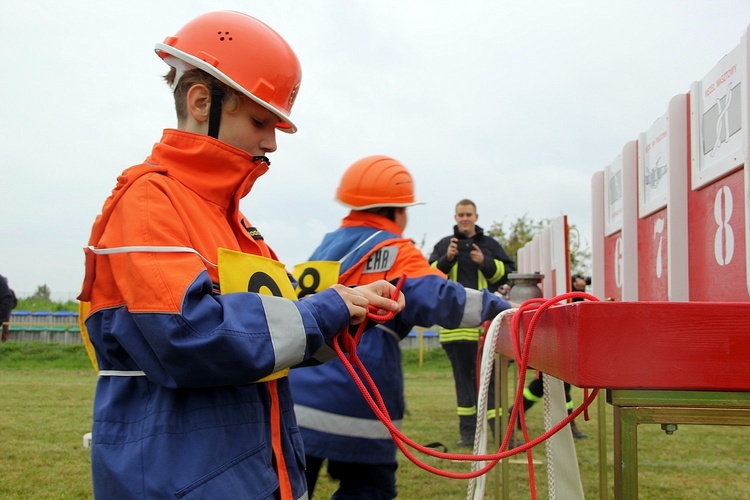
pixel 198 102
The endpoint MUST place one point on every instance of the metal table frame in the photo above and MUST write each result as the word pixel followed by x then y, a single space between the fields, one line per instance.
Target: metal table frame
pixel 634 407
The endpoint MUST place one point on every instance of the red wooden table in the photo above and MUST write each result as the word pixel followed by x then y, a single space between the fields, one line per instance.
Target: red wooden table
pixel 660 362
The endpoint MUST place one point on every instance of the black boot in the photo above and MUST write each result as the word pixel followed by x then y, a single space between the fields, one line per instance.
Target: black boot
pixel 577 434
pixel 465 442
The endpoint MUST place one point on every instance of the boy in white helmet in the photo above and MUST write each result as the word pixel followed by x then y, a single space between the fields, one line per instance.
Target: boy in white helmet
pixel 191 316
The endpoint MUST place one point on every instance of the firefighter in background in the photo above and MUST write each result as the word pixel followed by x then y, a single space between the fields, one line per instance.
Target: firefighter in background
pixel 476 261
pixel 192 398
pixel 335 420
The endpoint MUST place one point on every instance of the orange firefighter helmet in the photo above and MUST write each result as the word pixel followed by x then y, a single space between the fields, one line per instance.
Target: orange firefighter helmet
pixel 376 181
pixel 243 53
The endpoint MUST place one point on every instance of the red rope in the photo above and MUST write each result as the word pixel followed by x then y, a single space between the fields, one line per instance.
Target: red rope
pixel 346 342
pixel 539 306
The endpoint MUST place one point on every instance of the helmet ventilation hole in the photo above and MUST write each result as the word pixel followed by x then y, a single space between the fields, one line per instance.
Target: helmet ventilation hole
pixel 224 36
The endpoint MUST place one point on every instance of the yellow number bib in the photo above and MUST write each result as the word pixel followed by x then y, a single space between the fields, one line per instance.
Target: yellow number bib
pixel 315 276
pixel 242 272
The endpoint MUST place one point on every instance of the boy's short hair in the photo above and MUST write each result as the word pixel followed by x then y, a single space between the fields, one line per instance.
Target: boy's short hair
pixel 196 76
pixel 387 212
pixel 466 201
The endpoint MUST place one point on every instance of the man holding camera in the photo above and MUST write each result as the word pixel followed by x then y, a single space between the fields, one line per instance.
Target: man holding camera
pixel 477 261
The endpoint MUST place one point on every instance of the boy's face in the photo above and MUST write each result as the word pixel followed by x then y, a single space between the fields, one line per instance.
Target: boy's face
pixel 466 219
pixel 401 218
pixel 250 127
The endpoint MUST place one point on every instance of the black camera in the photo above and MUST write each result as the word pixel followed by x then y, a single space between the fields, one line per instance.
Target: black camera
pixel 465 245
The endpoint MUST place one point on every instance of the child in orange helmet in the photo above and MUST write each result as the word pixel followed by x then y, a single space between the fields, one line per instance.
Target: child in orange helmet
pixel 190 314
pixel 335 421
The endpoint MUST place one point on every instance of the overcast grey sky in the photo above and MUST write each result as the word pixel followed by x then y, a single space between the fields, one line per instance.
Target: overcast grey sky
pixel 512 104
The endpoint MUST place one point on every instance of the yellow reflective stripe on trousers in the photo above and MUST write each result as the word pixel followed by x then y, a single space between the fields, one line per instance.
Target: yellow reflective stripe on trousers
pixel 494 412
pixel 466 411
pixel 470 334
pixel 530 396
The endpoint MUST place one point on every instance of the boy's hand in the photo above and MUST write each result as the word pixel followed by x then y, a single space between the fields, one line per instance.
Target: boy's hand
pixel 377 294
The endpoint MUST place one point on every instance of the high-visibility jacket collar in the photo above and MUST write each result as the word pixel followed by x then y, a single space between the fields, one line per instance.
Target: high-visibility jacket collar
pixel 358 218
pixel 221 173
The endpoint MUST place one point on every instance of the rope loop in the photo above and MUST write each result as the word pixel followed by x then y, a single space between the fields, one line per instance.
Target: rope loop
pixel 346 349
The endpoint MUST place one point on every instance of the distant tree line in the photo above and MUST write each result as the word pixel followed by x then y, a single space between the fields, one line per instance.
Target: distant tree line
pixel 41 301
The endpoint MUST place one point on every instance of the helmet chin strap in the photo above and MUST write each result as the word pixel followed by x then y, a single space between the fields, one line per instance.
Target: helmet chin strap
pixel 264 159
pixel 214 117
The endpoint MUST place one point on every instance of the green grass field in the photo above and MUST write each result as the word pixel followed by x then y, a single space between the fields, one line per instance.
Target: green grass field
pixel 47 392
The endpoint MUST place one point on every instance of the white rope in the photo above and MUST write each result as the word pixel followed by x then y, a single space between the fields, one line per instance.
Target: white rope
pixel 563 475
pixel 475 490
pixel 562 463
pixel 548 443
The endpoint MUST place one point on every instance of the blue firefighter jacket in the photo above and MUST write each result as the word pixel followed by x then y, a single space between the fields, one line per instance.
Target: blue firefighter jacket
pixel 335 420
pixel 178 409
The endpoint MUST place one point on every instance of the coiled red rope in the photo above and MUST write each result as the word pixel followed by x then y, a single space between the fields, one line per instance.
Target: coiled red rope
pixel 345 346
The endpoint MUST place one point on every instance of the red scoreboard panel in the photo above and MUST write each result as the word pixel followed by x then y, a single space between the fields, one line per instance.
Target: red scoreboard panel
pixel 717 197
pixel 662 221
pixel 717 232
pixel 677 230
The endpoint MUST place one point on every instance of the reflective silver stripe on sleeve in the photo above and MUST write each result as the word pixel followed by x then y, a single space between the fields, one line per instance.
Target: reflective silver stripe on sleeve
pixel 149 249
pixel 342 259
pixel 341 425
pixel 472 309
pixel 287 331
pixel 120 373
